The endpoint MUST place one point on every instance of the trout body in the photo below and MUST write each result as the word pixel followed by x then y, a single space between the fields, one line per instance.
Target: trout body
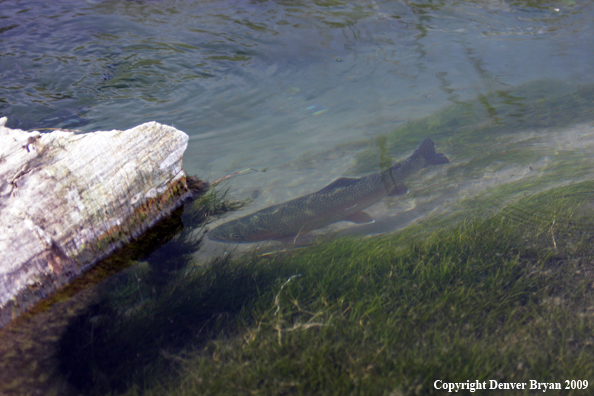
pixel 343 199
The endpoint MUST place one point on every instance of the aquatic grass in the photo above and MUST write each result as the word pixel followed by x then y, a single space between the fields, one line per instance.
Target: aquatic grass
pixel 564 168
pixel 480 122
pixel 384 325
pixel 487 299
pixel 214 203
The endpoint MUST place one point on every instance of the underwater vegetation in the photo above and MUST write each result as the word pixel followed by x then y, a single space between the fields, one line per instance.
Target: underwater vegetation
pixel 506 296
pixel 495 298
pixel 476 123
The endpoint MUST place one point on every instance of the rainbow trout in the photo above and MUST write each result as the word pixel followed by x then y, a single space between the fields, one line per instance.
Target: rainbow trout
pixel 343 199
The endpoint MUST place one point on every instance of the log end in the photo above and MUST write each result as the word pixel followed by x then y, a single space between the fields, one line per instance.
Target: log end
pixel 68 200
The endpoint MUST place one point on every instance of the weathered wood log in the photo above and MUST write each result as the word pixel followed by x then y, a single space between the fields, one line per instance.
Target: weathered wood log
pixel 68 200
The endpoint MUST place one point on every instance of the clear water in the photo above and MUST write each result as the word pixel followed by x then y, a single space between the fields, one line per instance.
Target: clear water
pixel 261 84
pixel 276 85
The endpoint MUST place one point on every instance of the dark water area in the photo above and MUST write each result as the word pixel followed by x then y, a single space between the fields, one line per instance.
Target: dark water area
pixel 302 92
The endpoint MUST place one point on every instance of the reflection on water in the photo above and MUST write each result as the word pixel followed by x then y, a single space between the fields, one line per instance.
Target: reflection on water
pixel 305 93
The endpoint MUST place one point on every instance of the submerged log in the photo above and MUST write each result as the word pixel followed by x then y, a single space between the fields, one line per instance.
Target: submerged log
pixel 68 200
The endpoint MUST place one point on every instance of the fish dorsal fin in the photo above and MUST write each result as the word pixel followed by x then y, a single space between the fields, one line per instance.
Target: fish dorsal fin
pixel 338 183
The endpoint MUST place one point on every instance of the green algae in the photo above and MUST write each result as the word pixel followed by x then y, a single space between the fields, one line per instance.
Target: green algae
pixel 495 298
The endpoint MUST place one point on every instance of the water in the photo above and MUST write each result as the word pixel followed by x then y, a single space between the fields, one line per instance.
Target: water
pixel 283 86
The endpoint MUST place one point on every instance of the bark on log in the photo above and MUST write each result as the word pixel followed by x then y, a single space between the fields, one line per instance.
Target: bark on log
pixel 68 200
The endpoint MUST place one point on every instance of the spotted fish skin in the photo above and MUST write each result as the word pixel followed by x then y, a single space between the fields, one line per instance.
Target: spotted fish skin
pixel 343 199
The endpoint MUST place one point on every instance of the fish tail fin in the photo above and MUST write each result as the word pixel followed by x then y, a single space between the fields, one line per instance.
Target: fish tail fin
pixel 427 150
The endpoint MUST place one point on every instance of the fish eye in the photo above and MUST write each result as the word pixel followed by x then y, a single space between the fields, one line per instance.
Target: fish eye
pixel 234 235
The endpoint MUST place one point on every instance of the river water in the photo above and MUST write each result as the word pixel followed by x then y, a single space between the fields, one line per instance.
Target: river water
pixel 288 88
pixel 264 85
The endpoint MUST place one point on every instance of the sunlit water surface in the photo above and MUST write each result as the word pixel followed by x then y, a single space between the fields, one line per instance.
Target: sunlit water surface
pixel 269 85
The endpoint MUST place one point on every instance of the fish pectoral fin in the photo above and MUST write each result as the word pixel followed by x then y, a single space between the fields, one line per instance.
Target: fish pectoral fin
pixel 399 190
pixel 360 218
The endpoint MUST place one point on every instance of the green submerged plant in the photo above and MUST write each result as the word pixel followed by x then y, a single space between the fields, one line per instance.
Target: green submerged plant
pixel 505 297
pixel 478 123
pixel 500 298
